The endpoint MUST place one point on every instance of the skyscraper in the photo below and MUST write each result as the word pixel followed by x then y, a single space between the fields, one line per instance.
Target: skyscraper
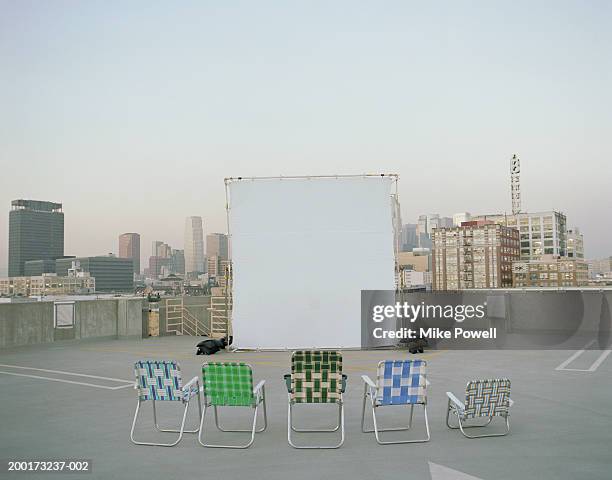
pixel 216 246
pixel 129 247
pixel 194 245
pixel 36 232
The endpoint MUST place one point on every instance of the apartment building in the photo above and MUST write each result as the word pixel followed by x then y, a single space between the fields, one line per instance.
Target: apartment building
pixel 477 254
pixel 550 271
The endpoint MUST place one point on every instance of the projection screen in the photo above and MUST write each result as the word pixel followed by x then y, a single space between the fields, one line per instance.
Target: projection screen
pixel 302 250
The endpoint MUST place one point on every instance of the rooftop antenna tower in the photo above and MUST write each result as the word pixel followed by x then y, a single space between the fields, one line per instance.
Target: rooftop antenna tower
pixel 515 184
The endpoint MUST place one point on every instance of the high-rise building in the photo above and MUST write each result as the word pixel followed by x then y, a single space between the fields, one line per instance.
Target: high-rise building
pixel 475 255
pixel 129 247
pixel 177 262
pixel 194 245
pixel 459 218
pixel 408 238
pixel 550 271
pixel 427 223
pixel 216 246
pixel 541 233
pixel 36 232
pixel 575 243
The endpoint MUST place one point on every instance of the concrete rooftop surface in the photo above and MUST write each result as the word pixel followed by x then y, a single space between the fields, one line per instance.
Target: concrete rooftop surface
pixel 54 405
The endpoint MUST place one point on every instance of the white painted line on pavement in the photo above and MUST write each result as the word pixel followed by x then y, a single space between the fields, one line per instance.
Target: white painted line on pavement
pixel 128 383
pixel 592 368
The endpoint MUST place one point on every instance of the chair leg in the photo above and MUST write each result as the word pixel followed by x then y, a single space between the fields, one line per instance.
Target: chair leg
pixel 315 430
pixel 377 431
pixel 265 419
pixel 170 430
pixel 290 428
pixel 462 427
pixel 253 430
pixel 390 429
pixel 180 432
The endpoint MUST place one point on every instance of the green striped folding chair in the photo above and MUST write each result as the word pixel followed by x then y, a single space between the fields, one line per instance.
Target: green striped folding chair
pixel 161 381
pixel 316 377
pixel 483 399
pixel 230 384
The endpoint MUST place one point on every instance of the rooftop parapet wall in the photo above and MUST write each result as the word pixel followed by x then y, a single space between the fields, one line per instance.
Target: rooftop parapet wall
pixel 32 323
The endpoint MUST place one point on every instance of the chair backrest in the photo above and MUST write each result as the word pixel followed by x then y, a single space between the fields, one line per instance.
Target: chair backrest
pixel 401 382
pixel 228 383
pixel 316 376
pixel 158 380
pixel 487 398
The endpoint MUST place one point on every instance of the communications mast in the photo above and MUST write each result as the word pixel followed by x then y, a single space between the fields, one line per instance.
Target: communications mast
pixel 515 184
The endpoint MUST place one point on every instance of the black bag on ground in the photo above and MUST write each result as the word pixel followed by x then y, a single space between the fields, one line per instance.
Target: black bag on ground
pixel 210 346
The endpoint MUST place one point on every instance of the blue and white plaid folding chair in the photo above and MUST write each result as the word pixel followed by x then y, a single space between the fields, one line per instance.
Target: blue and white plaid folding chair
pixel 483 398
pixel 398 382
pixel 161 381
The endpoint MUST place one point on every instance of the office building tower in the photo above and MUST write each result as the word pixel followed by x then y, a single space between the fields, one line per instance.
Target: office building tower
pixel 36 232
pixel 541 233
pixel 129 247
pixel 194 245
pixel 217 246
pixel 575 243
pixel 111 273
pixel 475 255
pixel 459 218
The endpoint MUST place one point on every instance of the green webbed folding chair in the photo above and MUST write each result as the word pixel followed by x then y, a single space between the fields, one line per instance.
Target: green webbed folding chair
pixel 483 399
pixel 316 377
pixel 161 381
pixel 230 384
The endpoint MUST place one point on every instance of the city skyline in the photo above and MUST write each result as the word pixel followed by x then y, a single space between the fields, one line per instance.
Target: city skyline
pixel 159 104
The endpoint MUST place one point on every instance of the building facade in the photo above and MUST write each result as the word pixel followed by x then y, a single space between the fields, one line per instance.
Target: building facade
pixel 48 284
pixel 129 247
pixel 217 245
pixel 541 233
pixel 112 274
pixel 575 243
pixel 550 271
pixel 474 255
pixel 36 232
pixel 194 245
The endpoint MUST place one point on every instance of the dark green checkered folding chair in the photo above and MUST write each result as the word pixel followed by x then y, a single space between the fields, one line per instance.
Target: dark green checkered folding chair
pixel 316 377
pixel 230 384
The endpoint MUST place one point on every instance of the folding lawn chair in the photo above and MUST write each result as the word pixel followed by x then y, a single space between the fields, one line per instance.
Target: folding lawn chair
pixel 398 382
pixel 483 398
pixel 160 381
pixel 230 384
pixel 316 377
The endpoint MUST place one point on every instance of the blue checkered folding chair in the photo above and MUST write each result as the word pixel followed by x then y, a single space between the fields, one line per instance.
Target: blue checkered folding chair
pixel 398 382
pixel 483 399
pixel 160 381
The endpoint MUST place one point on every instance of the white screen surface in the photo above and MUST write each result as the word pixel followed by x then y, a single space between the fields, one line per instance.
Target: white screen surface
pixel 302 251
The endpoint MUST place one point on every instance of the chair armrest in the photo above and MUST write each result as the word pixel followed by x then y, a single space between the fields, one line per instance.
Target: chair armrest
pixel 287 378
pixel 344 379
pixel 455 400
pixel 190 383
pixel 511 401
pixel 368 381
pixel 258 387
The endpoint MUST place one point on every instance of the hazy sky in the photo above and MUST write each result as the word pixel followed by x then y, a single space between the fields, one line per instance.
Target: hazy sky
pixel 132 113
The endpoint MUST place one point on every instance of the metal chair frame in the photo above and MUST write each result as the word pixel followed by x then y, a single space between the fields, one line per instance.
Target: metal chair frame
pixel 370 390
pixel 259 393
